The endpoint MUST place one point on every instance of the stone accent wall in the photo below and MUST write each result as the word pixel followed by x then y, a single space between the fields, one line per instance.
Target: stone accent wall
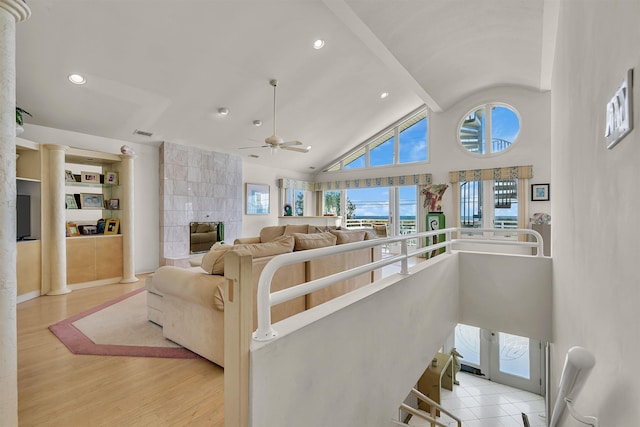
pixel 196 185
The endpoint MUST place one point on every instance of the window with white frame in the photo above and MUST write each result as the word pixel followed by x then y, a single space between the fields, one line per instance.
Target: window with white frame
pixel 405 141
pixel 489 204
pixel 489 129
pixel 491 198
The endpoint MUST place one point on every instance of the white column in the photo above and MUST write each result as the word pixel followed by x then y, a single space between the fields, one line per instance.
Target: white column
pixel 11 11
pixel 54 225
pixel 127 205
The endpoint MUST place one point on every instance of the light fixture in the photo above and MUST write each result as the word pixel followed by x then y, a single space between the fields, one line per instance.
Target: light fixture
pixel 383 95
pixel 223 111
pixel 77 79
pixel 318 44
pixel 257 123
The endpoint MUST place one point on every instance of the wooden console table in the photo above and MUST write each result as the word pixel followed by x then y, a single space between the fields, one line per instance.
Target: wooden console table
pixel 434 378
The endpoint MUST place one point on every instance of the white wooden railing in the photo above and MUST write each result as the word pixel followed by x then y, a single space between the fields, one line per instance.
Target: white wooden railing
pixel 266 299
pixel 431 417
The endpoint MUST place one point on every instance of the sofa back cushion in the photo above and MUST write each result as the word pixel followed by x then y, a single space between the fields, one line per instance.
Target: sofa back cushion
pixel 280 245
pixel 267 234
pixel 313 241
pixel 348 236
pixel 290 229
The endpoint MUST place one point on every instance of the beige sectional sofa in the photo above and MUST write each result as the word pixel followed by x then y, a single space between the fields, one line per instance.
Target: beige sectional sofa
pixel 189 305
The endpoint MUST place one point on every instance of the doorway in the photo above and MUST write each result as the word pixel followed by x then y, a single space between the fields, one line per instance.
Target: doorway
pixel 501 357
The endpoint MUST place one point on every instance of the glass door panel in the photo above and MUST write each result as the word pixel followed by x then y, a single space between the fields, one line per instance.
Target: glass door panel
pixel 516 361
pixel 366 206
pixel 467 342
pixel 513 356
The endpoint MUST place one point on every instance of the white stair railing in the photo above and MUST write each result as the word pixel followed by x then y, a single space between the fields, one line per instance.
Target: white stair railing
pixel 266 299
pixel 434 407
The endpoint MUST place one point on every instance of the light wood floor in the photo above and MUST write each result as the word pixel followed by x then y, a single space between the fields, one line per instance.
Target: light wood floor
pixel 57 388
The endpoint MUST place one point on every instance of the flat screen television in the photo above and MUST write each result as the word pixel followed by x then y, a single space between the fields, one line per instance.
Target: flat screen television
pixel 23 216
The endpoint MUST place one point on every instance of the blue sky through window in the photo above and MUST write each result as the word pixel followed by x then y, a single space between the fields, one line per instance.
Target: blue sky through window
pixel 374 202
pixel 504 123
pixel 413 143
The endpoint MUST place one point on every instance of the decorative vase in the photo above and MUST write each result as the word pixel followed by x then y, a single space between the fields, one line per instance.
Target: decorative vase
pixel 19 129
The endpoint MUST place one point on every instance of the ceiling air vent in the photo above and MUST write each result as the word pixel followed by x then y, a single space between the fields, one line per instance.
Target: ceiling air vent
pixel 142 132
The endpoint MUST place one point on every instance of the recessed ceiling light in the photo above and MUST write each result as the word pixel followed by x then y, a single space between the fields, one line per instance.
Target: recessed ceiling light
pixel 77 79
pixel 318 44
pixel 383 95
pixel 257 123
pixel 223 111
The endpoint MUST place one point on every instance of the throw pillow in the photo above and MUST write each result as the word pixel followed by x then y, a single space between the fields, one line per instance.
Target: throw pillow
pixel 313 241
pixel 213 261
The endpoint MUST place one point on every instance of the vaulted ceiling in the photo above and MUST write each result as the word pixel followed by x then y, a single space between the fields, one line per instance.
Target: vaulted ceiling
pixel 167 66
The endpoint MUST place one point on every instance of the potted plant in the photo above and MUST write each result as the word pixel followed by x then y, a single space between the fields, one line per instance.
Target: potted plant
pixel 19 119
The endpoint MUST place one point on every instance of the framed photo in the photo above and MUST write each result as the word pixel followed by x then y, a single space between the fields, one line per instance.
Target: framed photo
pixel 90 177
pixel 112 226
pixel 539 192
pixel 114 204
pixel 111 178
pixel 257 199
pixel 91 201
pixel 101 225
pixel 70 201
pixel 68 176
pixel 72 229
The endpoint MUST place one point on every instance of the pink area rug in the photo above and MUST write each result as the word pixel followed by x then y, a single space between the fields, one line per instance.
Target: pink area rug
pixel 102 331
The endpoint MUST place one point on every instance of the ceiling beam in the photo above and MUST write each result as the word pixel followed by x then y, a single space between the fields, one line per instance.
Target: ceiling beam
pixel 364 33
pixel 550 16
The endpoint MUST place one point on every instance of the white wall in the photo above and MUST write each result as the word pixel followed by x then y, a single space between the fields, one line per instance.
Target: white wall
pixel 595 208
pixel 507 293
pixel 342 369
pixel 446 155
pixel 254 173
pixel 146 189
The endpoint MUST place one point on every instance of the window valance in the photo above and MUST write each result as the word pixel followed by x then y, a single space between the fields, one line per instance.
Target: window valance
pixel 296 184
pixel 512 172
pixel 390 181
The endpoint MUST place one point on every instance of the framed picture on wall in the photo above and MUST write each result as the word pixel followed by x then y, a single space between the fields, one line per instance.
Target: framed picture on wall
pixel 539 192
pixel 257 199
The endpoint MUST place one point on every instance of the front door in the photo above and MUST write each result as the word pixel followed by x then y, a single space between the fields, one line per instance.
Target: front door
pixel 500 357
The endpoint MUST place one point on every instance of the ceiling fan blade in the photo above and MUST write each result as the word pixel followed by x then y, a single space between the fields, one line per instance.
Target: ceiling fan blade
pixel 290 143
pixel 298 149
pixel 254 146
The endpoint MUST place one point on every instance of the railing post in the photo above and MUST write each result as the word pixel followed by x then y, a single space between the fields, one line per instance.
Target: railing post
pixel 448 240
pixel 404 269
pixel 238 326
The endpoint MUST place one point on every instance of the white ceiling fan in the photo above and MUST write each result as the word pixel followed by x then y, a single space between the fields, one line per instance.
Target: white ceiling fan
pixel 274 142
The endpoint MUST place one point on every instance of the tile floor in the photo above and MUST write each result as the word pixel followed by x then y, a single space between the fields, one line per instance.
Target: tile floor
pixel 481 403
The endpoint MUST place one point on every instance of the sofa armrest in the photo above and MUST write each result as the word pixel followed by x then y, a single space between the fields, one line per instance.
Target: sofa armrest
pixel 245 240
pixel 190 285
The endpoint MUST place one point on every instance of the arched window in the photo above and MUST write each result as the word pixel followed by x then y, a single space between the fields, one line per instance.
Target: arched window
pixel 489 129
